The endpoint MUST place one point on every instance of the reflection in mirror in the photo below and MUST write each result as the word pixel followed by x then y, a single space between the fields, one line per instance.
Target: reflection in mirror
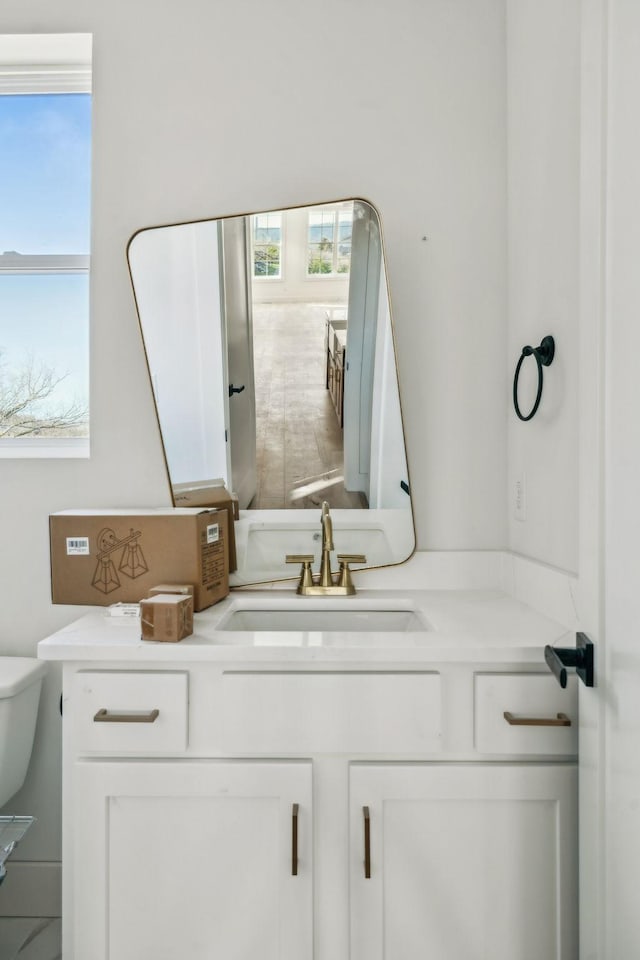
pixel 270 350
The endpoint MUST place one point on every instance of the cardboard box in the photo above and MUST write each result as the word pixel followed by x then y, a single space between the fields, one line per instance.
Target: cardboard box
pixel 102 556
pixel 184 588
pixel 210 493
pixel 166 617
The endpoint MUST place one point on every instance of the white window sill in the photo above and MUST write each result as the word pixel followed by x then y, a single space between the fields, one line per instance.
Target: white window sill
pixel 50 448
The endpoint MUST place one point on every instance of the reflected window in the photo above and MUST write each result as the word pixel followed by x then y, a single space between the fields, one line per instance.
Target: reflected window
pixel 267 245
pixel 45 156
pixel 329 241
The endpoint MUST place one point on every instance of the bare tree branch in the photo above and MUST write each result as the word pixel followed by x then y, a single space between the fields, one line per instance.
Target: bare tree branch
pixel 23 408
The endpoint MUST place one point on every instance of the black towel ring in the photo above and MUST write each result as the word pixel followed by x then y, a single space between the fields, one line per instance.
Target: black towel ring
pixel 544 355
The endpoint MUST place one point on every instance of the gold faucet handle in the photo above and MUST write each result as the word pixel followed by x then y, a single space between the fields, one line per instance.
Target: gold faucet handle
pixel 306 577
pixel 344 576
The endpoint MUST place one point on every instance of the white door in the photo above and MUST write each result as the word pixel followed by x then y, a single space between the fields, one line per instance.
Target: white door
pixel 364 291
pixel 618 663
pixel 192 860
pixel 466 862
pixel 238 347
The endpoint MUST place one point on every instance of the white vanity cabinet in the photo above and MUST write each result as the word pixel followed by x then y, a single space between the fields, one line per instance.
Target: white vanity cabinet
pixel 463 861
pixel 192 859
pixel 215 805
pixel 172 855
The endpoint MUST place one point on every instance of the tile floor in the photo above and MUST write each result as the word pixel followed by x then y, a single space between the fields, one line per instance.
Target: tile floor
pixel 29 938
pixel 299 438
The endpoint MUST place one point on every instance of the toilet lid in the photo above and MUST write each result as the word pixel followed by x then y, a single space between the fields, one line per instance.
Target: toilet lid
pixel 17 673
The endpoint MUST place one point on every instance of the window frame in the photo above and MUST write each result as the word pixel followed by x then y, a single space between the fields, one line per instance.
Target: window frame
pixel 281 246
pixel 335 212
pixel 31 65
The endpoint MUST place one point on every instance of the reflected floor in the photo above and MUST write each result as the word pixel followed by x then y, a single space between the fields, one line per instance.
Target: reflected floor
pixel 30 938
pixel 299 438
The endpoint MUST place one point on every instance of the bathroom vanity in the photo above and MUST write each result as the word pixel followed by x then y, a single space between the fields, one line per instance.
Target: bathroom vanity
pixel 336 347
pixel 406 788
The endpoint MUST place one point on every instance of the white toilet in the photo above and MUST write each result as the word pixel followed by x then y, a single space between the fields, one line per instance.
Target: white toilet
pixel 20 683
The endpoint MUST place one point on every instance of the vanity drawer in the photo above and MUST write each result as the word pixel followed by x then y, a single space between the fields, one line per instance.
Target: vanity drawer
pixel 129 713
pixel 525 697
pixel 331 712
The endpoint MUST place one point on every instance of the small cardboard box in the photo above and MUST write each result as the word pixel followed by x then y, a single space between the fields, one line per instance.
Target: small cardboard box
pixel 166 617
pixel 210 493
pixel 102 556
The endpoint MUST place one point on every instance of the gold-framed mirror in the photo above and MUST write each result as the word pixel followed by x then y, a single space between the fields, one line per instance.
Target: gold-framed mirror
pixel 269 343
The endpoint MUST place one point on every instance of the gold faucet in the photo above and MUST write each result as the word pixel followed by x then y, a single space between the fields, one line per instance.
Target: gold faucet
pixel 326 580
pixel 326 584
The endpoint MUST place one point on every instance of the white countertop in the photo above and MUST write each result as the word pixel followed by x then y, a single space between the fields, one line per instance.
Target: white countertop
pixel 464 625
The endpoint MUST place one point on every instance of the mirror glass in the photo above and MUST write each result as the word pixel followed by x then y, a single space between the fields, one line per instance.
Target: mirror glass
pixel 269 344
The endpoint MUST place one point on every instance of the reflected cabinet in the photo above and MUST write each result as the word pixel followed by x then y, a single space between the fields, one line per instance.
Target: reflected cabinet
pixel 336 346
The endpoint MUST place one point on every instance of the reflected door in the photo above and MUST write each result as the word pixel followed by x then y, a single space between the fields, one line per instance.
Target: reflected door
pixel 364 286
pixel 238 333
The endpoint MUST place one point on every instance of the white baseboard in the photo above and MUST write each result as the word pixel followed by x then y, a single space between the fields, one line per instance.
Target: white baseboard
pixel 31 889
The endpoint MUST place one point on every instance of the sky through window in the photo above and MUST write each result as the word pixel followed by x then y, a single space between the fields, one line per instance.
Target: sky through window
pixel 45 154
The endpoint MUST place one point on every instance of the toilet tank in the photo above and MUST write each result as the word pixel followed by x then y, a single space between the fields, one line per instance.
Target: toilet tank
pixel 20 683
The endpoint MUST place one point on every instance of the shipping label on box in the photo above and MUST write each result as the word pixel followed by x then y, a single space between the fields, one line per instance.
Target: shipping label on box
pixel 103 557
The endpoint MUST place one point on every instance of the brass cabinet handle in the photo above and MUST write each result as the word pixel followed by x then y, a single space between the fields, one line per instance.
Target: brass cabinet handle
pixel 560 720
pixel 367 843
pixel 294 840
pixel 103 716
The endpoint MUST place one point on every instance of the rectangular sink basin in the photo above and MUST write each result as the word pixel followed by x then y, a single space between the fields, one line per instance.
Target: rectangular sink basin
pixel 359 620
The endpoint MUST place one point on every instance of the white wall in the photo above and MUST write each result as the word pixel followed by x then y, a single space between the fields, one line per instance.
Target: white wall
pixel 543 146
pixel 555 84
pixel 388 456
pixel 180 132
pixel 177 287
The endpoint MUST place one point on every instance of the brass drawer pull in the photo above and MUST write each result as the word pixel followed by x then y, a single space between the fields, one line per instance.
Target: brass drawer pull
pixel 294 840
pixel 560 720
pixel 103 716
pixel 367 843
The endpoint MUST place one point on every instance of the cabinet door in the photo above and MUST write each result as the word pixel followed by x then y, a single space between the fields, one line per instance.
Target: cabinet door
pixel 467 862
pixel 192 859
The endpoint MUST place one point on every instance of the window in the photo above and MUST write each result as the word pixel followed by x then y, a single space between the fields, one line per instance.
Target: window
pixel 267 245
pixel 45 144
pixel 329 241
